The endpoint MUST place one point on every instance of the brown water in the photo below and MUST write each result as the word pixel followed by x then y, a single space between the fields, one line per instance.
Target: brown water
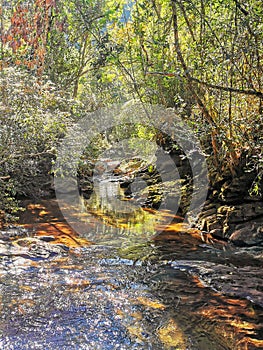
pixel 160 286
pixel 174 291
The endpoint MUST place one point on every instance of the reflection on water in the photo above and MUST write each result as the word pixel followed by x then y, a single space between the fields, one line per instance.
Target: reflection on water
pixel 150 283
pixel 111 215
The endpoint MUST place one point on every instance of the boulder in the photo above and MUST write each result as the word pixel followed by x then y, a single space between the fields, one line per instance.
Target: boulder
pixel 248 236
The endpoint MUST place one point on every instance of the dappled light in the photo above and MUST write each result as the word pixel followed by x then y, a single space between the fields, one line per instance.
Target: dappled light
pixel 131 174
pixel 182 305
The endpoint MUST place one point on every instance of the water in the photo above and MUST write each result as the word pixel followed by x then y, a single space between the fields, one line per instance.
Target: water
pixel 146 282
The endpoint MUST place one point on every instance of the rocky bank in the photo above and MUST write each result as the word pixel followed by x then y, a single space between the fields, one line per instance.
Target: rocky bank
pixel 231 213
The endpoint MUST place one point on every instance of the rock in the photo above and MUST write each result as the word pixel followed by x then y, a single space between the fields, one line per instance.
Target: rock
pixel 229 280
pixel 236 189
pixel 247 236
pixel 212 223
pixel 13 232
pixel 209 205
pixel 230 212
pixel 217 233
pixel 234 215
pixel 224 209
pixel 207 213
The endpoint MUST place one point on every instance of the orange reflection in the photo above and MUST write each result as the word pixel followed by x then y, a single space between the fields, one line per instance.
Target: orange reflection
pixel 45 219
pixel 155 304
pixel 229 313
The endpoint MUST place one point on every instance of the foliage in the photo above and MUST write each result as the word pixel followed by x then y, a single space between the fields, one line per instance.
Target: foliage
pixel 34 117
pixel 202 58
pixel 25 38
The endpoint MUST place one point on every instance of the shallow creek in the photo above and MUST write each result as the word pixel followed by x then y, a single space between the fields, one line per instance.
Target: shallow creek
pixel 172 288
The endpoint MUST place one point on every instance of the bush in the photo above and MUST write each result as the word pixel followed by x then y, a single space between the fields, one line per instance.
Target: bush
pixel 34 115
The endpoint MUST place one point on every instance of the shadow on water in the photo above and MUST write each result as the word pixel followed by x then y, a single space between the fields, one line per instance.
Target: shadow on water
pixel 160 286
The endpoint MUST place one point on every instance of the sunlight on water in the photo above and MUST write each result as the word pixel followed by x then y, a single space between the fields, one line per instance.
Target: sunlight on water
pixel 165 290
pixel 91 298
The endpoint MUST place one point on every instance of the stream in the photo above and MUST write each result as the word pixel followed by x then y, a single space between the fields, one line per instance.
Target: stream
pixel 166 286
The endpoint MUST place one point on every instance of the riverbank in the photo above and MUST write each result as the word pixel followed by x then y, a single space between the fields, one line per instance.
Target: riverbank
pixel 232 213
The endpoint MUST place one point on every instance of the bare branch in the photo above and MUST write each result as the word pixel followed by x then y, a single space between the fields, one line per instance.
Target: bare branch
pixel 187 75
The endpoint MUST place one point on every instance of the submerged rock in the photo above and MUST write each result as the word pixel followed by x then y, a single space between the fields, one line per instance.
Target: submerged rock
pixel 242 281
pixel 32 248
pixel 13 232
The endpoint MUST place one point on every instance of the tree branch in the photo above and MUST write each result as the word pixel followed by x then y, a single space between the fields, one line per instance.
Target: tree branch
pixel 210 85
pixel 245 12
pixel 187 75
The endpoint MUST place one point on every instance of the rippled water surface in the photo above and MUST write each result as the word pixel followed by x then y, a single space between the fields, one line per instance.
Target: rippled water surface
pixel 175 290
